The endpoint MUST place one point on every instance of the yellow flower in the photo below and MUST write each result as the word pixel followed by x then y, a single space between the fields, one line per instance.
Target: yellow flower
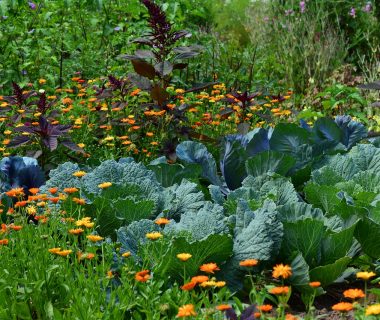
pixel 186 311
pixel 283 271
pixel 184 256
pixel 105 185
pixel 94 238
pixel 162 221
pixel 365 275
pixel 153 235
pixel 373 309
pixel 79 174
pixel 31 210
pixel 64 253
pixel 54 250
pixel 126 254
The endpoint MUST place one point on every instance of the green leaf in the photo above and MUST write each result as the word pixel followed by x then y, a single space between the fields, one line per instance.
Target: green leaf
pixel 261 239
pixel 269 161
pixel 286 137
pixel 337 245
pixel 324 197
pixel 327 274
pixel 215 248
pixel 169 174
pixel 22 311
pixel 300 273
pixel 368 234
pixel 304 236
pixel 49 310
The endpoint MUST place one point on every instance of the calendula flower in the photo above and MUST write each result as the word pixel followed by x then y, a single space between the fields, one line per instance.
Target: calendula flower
pixel 199 279
pixel 4 242
pixel 188 286
pixel 15 228
pixel 223 307
pixel 248 263
pixel 79 201
pixel 53 190
pixel 186 311
pixel 279 290
pixel 154 235
pixel 64 253
pixel 282 271
pixel 354 294
pixel 162 221
pixel 15 192
pixel 184 256
pixel 265 308
pixel 86 221
pixel 105 185
pixel 142 276
pixel 79 174
pixel 209 267
pixel 315 284
pixel 372 310
pixel 365 275
pixel 34 190
pixel 94 238
pixel 289 316
pixel 70 190
pixel 342 306
pixel 76 231
pixel 126 254
pixel 54 250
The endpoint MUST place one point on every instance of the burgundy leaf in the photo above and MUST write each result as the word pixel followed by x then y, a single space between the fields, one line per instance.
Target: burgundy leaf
pixel 144 69
pixel 18 141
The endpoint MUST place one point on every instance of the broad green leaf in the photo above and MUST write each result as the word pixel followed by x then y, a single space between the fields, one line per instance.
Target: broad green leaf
pixel 215 248
pixel 269 161
pixel 324 197
pixel 337 245
pixel 327 274
pixel 368 234
pixel 286 137
pixel 304 236
pixel 170 174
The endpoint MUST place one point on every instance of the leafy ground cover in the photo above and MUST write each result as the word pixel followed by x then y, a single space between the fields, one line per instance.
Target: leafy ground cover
pixel 148 194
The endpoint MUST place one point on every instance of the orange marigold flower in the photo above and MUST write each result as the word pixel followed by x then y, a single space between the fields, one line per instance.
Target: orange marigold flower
pixel 126 254
pixel 162 221
pixel 34 190
pixel 70 190
pixel 283 271
pixel 142 276
pixel 54 250
pixel 154 235
pixel 19 204
pixel 248 263
pixel 94 238
pixel 79 174
pixel 209 267
pixel 79 201
pixel 53 190
pixel 76 231
pixel 265 308
pixel 223 307
pixel 199 279
pixel 342 306
pixel 64 253
pixel 105 185
pixel 289 316
pixel 365 275
pixel 184 256
pixel 15 192
pixel 354 294
pixel 188 286
pixel 279 290
pixel 186 310
pixel 15 228
pixel 4 242
pixel 54 199
pixel 315 284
